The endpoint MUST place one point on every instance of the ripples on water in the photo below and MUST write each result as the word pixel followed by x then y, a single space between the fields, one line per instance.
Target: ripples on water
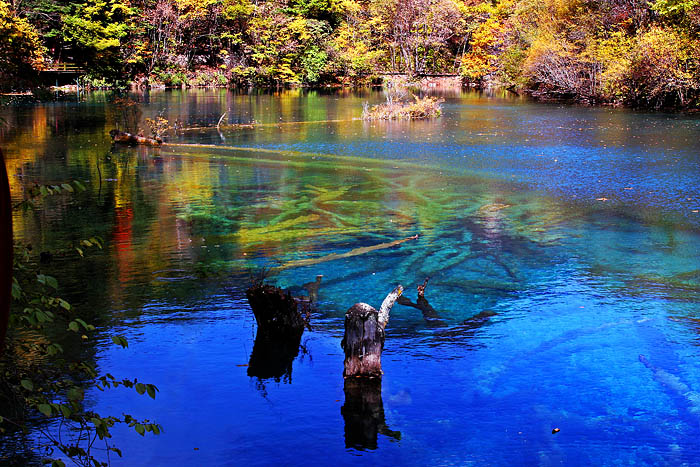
pixel 572 228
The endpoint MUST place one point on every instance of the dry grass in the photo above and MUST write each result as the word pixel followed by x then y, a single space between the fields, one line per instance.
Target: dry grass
pixel 420 108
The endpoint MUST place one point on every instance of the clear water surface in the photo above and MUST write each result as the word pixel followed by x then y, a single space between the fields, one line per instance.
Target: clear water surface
pixel 572 235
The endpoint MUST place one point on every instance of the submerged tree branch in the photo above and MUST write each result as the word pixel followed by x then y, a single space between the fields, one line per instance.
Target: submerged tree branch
pixel 349 254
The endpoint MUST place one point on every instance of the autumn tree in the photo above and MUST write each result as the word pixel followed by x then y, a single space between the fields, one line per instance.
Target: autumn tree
pixel 99 31
pixel 21 50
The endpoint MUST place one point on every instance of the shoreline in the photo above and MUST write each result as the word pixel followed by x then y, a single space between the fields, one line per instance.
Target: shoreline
pixel 426 84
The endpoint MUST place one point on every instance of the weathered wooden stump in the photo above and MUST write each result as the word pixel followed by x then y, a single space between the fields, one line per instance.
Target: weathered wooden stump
pixel 280 327
pixel 363 413
pixel 363 341
pixel 275 310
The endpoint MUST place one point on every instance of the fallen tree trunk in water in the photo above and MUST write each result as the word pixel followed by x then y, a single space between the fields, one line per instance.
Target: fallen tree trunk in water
pixel 363 341
pixel 335 256
pixel 133 140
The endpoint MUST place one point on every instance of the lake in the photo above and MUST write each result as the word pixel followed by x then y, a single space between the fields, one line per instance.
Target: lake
pixel 562 245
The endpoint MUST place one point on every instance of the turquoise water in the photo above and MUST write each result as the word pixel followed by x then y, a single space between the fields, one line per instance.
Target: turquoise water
pixel 575 229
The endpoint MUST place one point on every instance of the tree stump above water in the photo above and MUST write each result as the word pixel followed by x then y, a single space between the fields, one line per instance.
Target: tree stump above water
pixel 275 310
pixel 280 327
pixel 363 341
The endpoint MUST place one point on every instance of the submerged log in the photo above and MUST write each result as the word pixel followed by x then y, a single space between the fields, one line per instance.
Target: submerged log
pixel 363 413
pixel 312 288
pixel 363 341
pixel 334 256
pixel 133 140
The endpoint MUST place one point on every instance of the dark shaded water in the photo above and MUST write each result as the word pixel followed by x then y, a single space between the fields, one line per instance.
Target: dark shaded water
pixel 578 228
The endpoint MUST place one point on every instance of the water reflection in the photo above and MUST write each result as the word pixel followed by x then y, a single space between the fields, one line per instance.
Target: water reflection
pixel 576 226
pixel 363 413
pixel 273 355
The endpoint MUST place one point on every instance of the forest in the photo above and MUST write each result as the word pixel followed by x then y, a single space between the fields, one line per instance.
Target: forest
pixel 642 53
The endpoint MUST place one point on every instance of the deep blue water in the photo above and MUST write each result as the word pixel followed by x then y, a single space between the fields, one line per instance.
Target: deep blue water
pixel 574 227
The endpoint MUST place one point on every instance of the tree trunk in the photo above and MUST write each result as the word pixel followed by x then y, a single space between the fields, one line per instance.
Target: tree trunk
pixel 276 312
pixel 364 337
pixel 280 327
pixel 133 140
pixel 5 252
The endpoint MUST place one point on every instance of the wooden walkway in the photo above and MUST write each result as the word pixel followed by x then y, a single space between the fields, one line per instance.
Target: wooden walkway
pixel 63 68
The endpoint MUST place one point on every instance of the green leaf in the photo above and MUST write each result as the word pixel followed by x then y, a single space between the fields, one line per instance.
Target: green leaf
pixel 26 384
pixel 140 429
pixel 73 326
pixel 120 340
pixel 140 388
pixel 151 390
pixel 79 186
pixel 16 289
pixel 66 411
pixel 74 394
pixel 82 323
pixel 57 463
pixel 67 187
pixel 45 409
pixel 64 304
pixel 54 349
pixel 47 280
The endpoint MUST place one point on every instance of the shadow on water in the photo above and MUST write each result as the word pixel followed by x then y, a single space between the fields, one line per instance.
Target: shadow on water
pixel 363 413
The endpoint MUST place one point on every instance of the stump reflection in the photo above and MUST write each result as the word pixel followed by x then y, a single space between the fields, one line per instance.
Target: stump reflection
pixel 273 355
pixel 363 413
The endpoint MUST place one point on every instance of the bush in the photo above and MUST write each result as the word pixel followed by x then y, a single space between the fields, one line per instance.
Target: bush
pixel 420 108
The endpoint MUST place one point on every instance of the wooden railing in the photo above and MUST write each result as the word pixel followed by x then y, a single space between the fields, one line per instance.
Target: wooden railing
pixel 63 67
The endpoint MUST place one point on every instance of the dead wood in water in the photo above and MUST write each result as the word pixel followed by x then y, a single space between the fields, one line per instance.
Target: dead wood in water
pixel 280 327
pixel 275 310
pixel 363 341
pixel 335 256
pixel 133 140
pixel 429 313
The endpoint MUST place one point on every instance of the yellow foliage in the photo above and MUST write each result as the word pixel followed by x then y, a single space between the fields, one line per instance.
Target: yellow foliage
pixel 614 55
pixel 481 58
pixel 20 44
